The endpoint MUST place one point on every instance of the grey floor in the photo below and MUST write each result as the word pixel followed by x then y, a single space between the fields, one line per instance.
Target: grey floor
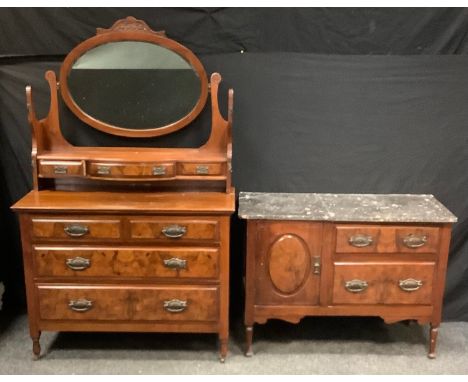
pixel 318 345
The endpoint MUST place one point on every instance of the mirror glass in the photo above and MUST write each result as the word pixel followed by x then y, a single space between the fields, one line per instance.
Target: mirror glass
pixel 134 85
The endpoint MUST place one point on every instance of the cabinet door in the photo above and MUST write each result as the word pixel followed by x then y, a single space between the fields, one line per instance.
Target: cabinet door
pixel 287 264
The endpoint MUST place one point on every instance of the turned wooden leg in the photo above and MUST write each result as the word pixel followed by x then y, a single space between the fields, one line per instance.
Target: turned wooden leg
pixel 432 341
pixel 36 346
pixel 248 341
pixel 223 349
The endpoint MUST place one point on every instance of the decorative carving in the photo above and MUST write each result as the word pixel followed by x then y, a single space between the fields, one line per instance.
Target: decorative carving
pixel 130 24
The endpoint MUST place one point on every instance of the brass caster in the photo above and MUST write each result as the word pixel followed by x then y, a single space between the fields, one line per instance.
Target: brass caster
pixel 36 357
pixel 431 356
pixel 249 353
pixel 221 359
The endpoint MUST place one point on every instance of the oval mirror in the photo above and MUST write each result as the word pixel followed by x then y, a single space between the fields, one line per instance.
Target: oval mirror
pixel 134 88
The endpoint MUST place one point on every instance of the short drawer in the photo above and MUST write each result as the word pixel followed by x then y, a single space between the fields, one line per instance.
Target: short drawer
pixel 386 239
pixel 200 169
pixel 129 302
pixel 173 229
pixel 137 170
pixel 75 229
pixel 56 169
pixel 178 263
pixel 383 283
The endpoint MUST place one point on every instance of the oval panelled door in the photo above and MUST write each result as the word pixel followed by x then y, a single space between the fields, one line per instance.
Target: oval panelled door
pixel 289 263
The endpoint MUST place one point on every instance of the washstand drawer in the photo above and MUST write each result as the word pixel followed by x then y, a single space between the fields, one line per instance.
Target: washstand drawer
pixel 132 171
pixel 174 229
pixel 200 168
pixel 82 229
pixel 383 283
pixel 386 239
pixel 178 263
pixel 178 303
pixel 56 169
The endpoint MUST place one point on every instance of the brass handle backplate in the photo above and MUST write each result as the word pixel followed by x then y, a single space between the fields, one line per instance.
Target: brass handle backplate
pixel 159 170
pixel 175 263
pixel 202 170
pixel 410 285
pixel 360 240
pixel 78 263
pixel 103 170
pixel 76 230
pixel 356 286
pixel 175 306
pixel 60 170
pixel 174 231
pixel 80 305
pixel 415 241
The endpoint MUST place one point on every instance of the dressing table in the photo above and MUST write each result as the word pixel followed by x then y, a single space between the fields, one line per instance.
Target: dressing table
pixel 132 239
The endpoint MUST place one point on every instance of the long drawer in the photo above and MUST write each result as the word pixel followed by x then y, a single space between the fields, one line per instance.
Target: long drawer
pixel 386 239
pixel 164 262
pixel 383 283
pixel 161 303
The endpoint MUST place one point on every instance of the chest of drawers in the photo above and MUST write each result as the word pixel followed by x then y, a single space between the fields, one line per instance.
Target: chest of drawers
pixel 126 262
pixel 346 255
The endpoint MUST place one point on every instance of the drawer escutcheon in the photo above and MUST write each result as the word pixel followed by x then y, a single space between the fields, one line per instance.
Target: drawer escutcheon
pixel 159 170
pixel 202 170
pixel 410 285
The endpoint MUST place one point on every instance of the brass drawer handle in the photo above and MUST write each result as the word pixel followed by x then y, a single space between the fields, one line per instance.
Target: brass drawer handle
pixel 415 241
pixel 103 170
pixel 175 306
pixel 76 230
pixel 60 170
pixel 175 263
pixel 360 240
pixel 78 263
pixel 202 170
pixel 356 286
pixel 410 285
pixel 80 305
pixel 174 231
pixel 159 170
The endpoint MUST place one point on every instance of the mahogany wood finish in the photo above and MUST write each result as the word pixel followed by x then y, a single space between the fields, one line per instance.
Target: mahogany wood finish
pixel 383 277
pixel 126 238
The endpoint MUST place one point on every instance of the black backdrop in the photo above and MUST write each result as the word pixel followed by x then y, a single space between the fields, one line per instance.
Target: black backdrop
pixel 326 100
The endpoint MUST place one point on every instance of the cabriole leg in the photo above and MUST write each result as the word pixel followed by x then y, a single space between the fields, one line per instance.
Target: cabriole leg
pixel 433 331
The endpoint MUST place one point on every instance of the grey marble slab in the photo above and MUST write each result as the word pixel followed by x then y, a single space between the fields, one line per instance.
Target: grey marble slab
pixel 403 208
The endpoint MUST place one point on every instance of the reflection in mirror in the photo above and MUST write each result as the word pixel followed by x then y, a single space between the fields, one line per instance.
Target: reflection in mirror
pixel 134 85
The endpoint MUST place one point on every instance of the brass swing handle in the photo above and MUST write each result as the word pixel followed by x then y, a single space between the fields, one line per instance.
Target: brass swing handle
pixel 78 263
pixel 356 286
pixel 410 285
pixel 415 241
pixel 76 230
pixel 175 263
pixel 80 305
pixel 61 170
pixel 175 306
pixel 360 240
pixel 174 231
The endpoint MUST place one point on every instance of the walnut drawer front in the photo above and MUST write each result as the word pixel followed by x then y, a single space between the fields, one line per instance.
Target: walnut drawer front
pixel 57 169
pixel 178 263
pixel 386 239
pixel 200 168
pixel 173 229
pixel 137 170
pixel 178 303
pixel 75 229
pixel 383 283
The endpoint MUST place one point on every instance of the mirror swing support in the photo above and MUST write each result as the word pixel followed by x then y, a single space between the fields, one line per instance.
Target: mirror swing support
pixel 129 238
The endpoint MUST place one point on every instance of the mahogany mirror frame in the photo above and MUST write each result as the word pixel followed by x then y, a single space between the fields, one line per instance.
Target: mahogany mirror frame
pixel 131 29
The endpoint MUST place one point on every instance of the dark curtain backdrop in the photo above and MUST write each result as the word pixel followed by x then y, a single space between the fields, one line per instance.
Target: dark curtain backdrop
pixel 326 100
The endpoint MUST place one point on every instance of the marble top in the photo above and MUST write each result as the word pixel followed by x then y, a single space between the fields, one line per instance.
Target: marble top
pixel 403 208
